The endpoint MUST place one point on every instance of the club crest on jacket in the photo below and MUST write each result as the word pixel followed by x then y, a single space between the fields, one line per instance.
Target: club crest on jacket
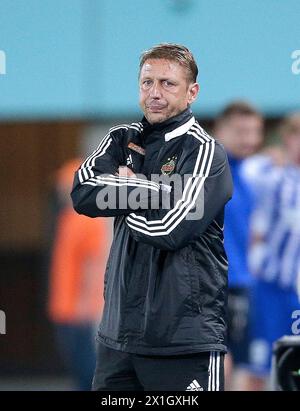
pixel 169 166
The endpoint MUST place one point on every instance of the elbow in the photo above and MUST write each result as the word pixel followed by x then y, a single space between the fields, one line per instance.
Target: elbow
pixel 76 202
pixel 86 205
pixel 85 210
pixel 81 209
pixel 80 206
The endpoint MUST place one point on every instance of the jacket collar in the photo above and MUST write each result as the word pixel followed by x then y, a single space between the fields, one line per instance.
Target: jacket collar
pixel 172 127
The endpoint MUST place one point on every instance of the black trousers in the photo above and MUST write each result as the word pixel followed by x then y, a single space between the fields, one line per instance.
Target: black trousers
pixel 121 371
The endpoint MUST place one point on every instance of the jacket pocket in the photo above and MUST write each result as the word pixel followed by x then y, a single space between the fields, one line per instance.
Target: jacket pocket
pixel 193 276
pixel 195 289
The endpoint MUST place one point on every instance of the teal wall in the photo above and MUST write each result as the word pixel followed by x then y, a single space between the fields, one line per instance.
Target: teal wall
pixel 43 43
pixel 79 58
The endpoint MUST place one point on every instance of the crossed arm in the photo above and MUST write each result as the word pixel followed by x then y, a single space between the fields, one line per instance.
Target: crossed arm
pixel 207 188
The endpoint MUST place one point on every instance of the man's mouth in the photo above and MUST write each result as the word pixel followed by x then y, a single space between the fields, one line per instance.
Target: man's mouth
pixel 156 107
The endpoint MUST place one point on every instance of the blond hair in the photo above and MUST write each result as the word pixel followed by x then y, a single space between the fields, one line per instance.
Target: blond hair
pixel 173 52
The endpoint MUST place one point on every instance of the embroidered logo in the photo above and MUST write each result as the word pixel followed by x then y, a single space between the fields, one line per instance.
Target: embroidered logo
pixel 194 386
pixel 169 166
pixel 129 161
pixel 136 148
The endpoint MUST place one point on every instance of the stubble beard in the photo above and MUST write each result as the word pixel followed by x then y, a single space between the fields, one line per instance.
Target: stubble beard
pixel 154 118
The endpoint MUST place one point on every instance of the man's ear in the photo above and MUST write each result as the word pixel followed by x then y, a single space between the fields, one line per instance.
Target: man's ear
pixel 193 92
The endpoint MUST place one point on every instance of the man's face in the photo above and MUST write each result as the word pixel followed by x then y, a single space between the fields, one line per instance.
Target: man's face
pixel 242 135
pixel 164 89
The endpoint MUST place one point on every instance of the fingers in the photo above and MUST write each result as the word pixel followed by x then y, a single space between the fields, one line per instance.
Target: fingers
pixel 125 172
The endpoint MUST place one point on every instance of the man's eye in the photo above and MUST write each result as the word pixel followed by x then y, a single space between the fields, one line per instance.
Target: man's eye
pixel 147 82
pixel 168 83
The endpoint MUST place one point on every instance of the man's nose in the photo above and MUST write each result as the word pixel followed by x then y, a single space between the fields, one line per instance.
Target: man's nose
pixel 155 91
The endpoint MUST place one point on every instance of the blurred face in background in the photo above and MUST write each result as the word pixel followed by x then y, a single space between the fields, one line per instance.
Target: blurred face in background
pixel 241 135
pixel 292 145
pixel 164 89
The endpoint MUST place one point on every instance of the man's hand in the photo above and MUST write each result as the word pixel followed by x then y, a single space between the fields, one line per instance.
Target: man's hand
pixel 124 171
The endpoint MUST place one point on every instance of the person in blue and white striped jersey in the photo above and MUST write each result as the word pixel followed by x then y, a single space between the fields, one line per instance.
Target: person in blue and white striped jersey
pixel 275 251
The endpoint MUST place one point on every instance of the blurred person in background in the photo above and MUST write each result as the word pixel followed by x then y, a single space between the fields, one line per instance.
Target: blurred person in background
pixel 275 252
pixel 163 325
pixel 78 258
pixel 239 127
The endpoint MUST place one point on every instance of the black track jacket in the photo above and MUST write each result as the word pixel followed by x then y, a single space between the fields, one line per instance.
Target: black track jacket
pixel 165 285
